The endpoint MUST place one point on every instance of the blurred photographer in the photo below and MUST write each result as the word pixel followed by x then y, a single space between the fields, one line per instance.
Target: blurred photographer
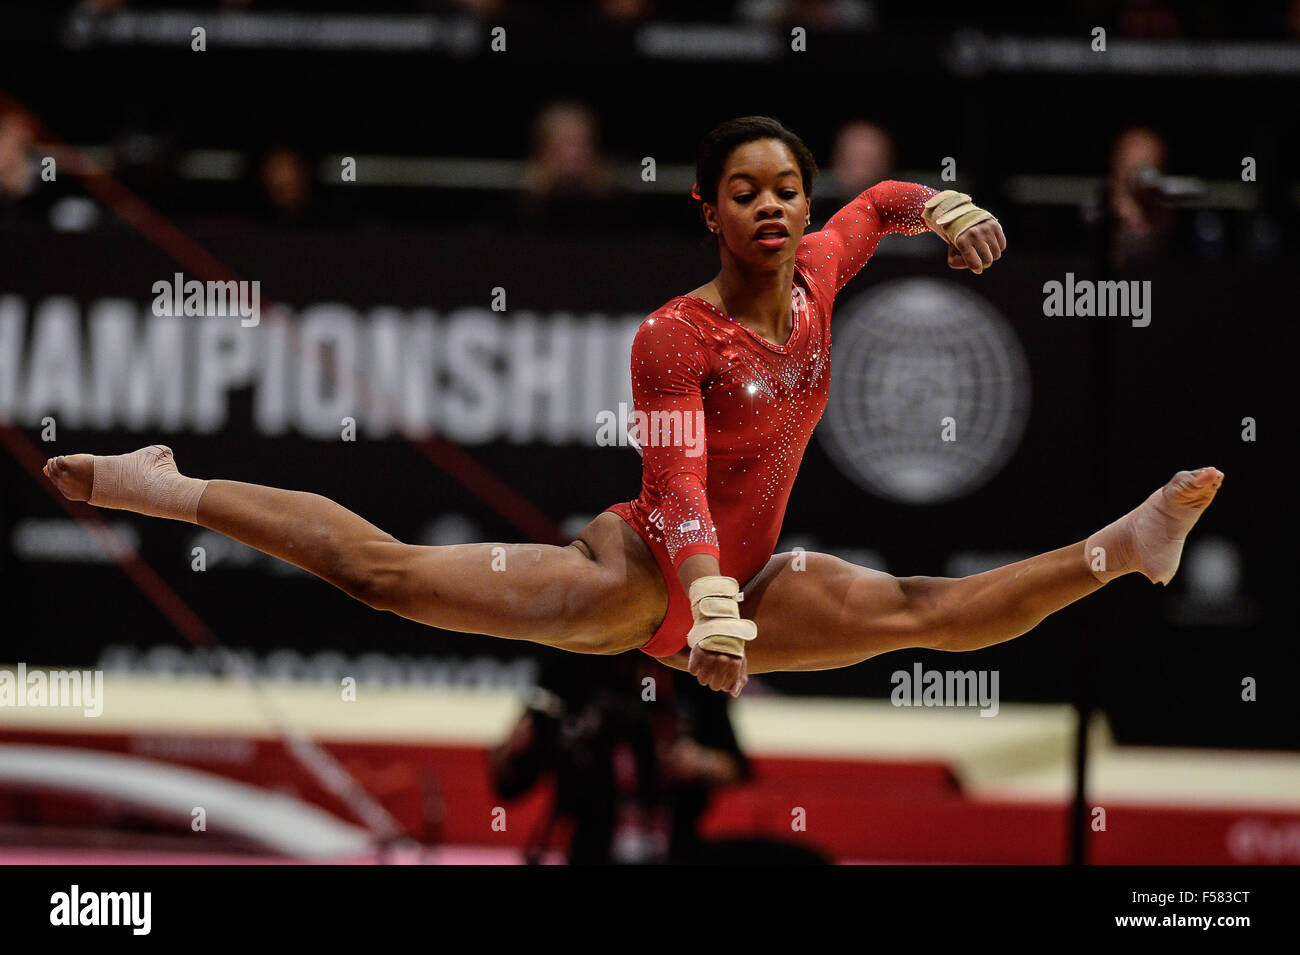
pixel 636 751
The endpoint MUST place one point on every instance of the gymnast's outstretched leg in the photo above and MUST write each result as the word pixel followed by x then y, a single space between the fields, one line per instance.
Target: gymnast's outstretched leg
pixel 823 612
pixel 600 594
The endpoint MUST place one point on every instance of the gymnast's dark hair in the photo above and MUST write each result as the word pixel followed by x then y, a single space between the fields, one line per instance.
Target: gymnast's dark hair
pixel 719 143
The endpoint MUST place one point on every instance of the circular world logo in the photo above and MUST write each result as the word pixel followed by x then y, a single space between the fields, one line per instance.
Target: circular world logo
pixel 930 391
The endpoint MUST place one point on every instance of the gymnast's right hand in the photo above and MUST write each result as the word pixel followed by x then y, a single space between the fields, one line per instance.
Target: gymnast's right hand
pixel 718 638
pixel 718 671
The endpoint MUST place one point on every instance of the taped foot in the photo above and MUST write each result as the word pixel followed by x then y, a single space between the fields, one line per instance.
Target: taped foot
pixel 145 482
pixel 1149 539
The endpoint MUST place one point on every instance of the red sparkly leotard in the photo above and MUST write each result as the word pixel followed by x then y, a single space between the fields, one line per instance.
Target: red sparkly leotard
pixel 724 491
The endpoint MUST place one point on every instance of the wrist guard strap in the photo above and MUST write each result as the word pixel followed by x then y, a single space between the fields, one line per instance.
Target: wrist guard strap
pixel 951 213
pixel 715 605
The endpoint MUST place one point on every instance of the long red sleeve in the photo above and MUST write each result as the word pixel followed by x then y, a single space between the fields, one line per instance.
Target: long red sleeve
pixel 670 362
pixel 838 251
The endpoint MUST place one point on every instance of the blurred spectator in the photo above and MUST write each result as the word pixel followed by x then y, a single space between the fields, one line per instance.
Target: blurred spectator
pixel 286 198
pixel 1137 222
pixel 482 8
pixel 633 775
pixel 862 156
pixel 567 184
pixel 284 185
pixel 1148 19
pixel 17 172
pixel 27 198
pixel 625 11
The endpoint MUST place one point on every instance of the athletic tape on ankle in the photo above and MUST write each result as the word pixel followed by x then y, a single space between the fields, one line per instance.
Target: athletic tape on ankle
pixel 950 213
pixel 1148 539
pixel 1101 554
pixel 715 605
pixel 129 482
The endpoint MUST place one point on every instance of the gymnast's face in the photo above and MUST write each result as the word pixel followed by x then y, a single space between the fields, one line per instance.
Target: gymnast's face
pixel 762 210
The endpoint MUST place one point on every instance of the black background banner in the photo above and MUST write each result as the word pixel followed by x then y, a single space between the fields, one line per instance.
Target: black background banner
pixel 1170 668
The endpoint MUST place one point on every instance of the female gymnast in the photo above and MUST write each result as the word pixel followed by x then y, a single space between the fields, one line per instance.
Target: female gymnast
pixel 747 354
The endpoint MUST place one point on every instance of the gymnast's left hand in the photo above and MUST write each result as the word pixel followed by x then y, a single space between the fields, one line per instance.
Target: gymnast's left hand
pixel 978 247
pixel 719 671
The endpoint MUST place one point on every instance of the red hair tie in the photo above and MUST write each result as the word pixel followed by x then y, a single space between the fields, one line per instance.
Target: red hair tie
pixel 695 192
